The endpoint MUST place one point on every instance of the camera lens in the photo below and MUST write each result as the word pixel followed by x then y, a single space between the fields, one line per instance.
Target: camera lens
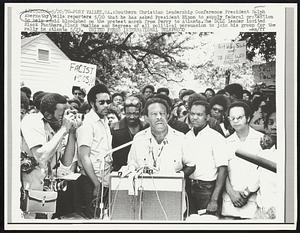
pixel 61 186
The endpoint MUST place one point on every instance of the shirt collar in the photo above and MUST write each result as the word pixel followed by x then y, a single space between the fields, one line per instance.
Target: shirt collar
pixel 201 131
pixel 252 134
pixel 92 115
pixel 167 137
pixel 40 115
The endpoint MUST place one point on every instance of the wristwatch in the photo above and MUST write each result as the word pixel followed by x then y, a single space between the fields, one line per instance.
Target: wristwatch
pixel 246 193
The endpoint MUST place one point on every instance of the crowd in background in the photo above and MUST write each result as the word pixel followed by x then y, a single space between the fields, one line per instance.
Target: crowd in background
pixel 219 101
pixel 127 116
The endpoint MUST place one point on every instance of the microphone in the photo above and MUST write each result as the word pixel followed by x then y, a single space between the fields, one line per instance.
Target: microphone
pixel 258 160
pixel 124 171
pixel 139 172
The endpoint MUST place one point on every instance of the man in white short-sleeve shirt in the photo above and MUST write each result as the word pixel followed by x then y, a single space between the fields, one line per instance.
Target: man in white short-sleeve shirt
pixel 159 146
pixel 50 135
pixel 207 148
pixel 239 200
pixel 94 141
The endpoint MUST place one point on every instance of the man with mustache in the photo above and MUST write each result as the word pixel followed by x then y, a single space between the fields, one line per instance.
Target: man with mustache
pixel 159 146
pixel 49 136
pixel 94 140
pixel 124 130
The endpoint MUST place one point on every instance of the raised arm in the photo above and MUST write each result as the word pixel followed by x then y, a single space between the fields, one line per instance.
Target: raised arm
pixel 45 152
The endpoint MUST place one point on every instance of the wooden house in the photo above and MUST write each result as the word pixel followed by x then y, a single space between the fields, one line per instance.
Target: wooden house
pixel 41 66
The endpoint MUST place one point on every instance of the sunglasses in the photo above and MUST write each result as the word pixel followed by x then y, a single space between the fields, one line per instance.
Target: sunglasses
pixel 101 102
pixel 217 110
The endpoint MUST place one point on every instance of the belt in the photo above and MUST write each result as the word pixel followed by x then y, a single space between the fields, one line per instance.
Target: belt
pixel 202 181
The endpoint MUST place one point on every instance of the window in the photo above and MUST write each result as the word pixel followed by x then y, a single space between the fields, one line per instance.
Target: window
pixel 43 55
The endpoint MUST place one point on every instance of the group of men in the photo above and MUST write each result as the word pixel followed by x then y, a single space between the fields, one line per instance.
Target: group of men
pixel 217 180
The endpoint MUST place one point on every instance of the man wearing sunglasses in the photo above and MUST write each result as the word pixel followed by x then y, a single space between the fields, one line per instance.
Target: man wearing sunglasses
pixel 218 107
pixel 94 140
pixel 124 130
pixel 79 93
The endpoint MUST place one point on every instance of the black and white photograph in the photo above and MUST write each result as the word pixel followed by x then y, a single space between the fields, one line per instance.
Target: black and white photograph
pixel 168 115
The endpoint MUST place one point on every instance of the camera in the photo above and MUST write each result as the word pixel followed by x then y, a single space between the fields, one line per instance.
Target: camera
pixel 77 119
pixel 28 163
pixel 55 184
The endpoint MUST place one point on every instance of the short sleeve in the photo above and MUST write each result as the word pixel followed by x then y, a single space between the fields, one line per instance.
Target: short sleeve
pixel 85 135
pixel 187 155
pixel 33 131
pixel 131 161
pixel 220 151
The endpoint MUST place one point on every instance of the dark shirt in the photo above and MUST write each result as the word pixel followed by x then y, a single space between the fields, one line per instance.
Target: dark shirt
pixel 212 122
pixel 121 135
pixel 179 125
pixel 176 124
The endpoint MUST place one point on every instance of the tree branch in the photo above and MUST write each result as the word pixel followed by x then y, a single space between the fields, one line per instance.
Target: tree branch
pixel 158 74
pixel 124 47
pixel 127 37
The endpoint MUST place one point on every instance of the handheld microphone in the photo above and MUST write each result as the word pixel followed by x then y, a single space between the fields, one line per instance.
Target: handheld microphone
pixel 126 173
pixel 139 172
pixel 258 160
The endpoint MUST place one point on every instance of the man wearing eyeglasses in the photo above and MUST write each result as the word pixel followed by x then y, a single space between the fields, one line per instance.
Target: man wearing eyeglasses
pixel 124 130
pixel 94 140
pixel 207 147
pixel 239 199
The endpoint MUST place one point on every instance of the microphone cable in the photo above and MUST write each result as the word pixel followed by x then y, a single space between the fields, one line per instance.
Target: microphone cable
pixel 115 197
pixel 187 204
pixel 161 206
pixel 141 196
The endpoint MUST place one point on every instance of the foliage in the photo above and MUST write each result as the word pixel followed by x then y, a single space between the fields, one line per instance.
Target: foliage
pixel 128 61
pixel 143 58
pixel 264 42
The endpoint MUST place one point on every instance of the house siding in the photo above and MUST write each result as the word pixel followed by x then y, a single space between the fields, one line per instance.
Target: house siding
pixel 43 75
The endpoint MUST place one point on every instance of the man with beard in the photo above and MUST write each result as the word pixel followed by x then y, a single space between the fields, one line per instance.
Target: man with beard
pixel 50 133
pixel 94 141
pixel 49 136
pixel 124 130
